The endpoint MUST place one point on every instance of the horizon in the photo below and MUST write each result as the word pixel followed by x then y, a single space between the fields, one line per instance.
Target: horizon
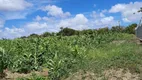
pixel 24 17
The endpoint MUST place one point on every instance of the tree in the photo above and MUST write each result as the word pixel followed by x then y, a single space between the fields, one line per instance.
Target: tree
pixel 102 30
pixel 131 29
pixel 46 34
pixel 34 35
pixel 117 29
pixel 23 37
pixel 86 32
pixel 67 32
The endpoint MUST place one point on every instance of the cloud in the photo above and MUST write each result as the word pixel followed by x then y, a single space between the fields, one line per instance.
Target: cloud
pixel 42 24
pixel 11 32
pixel 14 5
pixel 35 26
pixel 38 18
pixel 79 22
pixel 55 19
pixel 127 11
pixel 97 15
pixel 15 9
pixel 2 23
pixel 126 20
pixel 102 22
pixel 15 15
pixel 45 18
pixel 55 11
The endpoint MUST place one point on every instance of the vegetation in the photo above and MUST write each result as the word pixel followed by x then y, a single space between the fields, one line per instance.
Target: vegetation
pixel 71 51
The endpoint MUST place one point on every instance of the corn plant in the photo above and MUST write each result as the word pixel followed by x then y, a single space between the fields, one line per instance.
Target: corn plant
pixel 3 61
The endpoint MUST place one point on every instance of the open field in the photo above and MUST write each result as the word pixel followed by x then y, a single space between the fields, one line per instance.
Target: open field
pixel 108 56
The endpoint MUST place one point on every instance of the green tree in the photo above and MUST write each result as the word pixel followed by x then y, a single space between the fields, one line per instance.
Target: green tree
pixel 117 29
pixel 33 35
pixel 67 32
pixel 131 28
pixel 102 30
pixel 46 34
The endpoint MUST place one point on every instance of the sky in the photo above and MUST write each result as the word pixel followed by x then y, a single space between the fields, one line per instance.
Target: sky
pixel 24 17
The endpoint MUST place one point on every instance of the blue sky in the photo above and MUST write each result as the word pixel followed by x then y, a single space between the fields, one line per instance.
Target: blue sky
pixel 24 17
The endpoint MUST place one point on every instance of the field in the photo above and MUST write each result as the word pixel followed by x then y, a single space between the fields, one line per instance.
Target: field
pixel 107 56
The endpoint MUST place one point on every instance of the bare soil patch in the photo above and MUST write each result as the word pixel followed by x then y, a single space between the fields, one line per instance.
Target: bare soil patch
pixel 111 74
pixel 12 76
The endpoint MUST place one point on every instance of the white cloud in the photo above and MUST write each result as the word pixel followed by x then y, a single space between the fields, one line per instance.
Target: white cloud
pixel 127 11
pixel 104 11
pixel 107 20
pixel 79 22
pixel 2 23
pixel 15 15
pixel 11 32
pixel 35 26
pixel 14 5
pixel 100 20
pixel 55 11
pixel 45 18
pixel 15 9
pixel 103 22
pixel 126 20
pixel 97 15
pixel 55 19
pixel 38 18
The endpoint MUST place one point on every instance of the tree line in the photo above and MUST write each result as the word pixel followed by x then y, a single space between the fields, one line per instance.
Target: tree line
pixel 70 32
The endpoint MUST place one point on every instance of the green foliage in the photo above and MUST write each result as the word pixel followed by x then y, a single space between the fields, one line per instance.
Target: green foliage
pixel 117 29
pixel 46 34
pixel 2 64
pixel 93 50
pixel 131 29
pixel 103 30
pixel 30 56
pixel 4 60
pixel 33 35
pixel 67 32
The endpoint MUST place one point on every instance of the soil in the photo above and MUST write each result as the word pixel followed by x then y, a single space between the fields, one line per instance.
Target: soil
pixel 111 74
pixel 12 76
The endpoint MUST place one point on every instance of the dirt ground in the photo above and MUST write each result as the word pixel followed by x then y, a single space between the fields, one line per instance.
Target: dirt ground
pixel 12 76
pixel 111 74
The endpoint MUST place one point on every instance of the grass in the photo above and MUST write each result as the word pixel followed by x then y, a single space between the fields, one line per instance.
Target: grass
pixel 122 53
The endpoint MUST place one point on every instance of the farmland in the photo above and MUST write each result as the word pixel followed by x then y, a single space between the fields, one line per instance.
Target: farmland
pixel 63 56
